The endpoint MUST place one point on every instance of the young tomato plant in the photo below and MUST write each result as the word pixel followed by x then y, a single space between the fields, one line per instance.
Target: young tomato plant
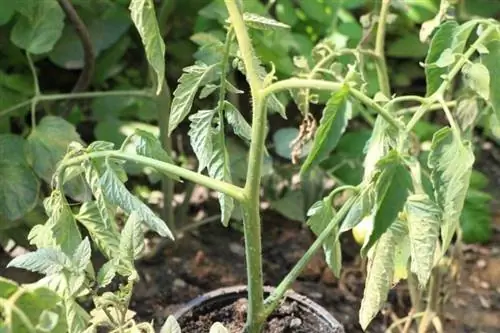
pixel 414 206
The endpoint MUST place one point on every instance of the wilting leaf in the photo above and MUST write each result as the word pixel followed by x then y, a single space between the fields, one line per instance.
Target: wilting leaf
pixel 218 168
pixel 118 195
pixel 392 188
pixel 332 125
pixel 132 239
pixel 191 80
pixel 424 219
pixel 442 39
pixel 144 17
pixel 43 261
pixel 19 187
pixel 38 27
pixel 81 256
pixel 321 214
pixel 218 328
pixel 171 326
pixel 477 77
pixel 237 122
pixel 200 135
pixel 359 210
pixel 451 163
pixel 380 273
pixel 263 23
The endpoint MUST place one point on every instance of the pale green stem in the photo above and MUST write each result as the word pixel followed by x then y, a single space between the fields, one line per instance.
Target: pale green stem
pixel 433 107
pixel 273 300
pixel 451 120
pixel 252 224
pixel 332 86
pixel 233 191
pixel 383 76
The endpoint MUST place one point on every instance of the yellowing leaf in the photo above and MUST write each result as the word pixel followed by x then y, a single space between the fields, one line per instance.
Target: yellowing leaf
pixel 144 17
pixel 451 163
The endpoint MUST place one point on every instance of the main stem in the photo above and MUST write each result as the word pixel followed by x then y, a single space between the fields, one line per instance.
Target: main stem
pixel 383 75
pixel 252 223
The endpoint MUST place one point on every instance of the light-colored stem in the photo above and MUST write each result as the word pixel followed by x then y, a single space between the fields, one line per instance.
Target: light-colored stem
pixel 383 76
pixel 332 86
pixel 251 208
pixel 233 191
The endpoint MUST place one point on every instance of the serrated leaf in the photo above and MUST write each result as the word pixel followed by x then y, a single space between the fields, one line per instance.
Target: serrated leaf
pixel 336 115
pixel 171 326
pixel 391 191
pixel 48 143
pixel 191 80
pixel 263 23
pixel 200 135
pixel 321 215
pixel 383 138
pixel 218 168
pixel 424 219
pixel 81 256
pixel 44 261
pixel 218 328
pixel 477 77
pixel 106 273
pixel 19 187
pixel 442 39
pixel 450 161
pixel 132 238
pixel 380 275
pixel 490 60
pixel 76 317
pixel 237 122
pixel 117 194
pixel 144 17
pixel 148 145
pixel 38 27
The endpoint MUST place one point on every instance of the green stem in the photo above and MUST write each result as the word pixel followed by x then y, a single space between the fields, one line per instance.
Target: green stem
pixel 233 191
pixel 383 76
pixel 451 120
pixel 273 300
pixel 251 208
pixel 432 107
pixel 332 86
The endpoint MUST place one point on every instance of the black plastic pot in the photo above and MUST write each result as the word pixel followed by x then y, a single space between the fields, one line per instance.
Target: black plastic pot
pixel 217 299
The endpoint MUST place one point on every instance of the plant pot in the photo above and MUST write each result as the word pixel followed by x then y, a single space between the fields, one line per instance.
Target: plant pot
pixel 297 313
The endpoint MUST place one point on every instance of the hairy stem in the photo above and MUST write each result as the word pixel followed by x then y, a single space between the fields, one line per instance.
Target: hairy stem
pixel 251 208
pixel 233 191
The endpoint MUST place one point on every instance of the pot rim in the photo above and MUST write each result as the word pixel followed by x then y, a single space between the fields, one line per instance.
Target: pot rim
pixel 304 301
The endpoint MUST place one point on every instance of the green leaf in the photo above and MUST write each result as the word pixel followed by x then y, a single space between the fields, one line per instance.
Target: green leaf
pixel 359 210
pixel 336 115
pixel 76 317
pixel 446 58
pixel 132 239
pixel 48 143
pixel 144 17
pixel 106 273
pixel 407 46
pixel 383 138
pixel 237 122
pixel 461 35
pixel 380 273
pixel 171 326
pixel 442 39
pixel 81 257
pixel 191 80
pixel 476 218
pixel 282 140
pixel 424 219
pixel 490 60
pixel 117 194
pixel 391 191
pixel 451 162
pixel 28 307
pixel 200 135
pixel 321 215
pixel 148 145
pixel 8 10
pixel 262 23
pixel 218 168
pixel 38 27
pixel 19 187
pixel 477 77
pixel 43 261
